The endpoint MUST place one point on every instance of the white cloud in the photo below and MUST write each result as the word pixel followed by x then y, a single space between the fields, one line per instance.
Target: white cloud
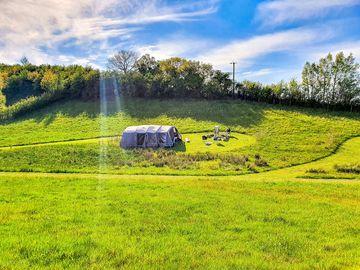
pixel 175 46
pixel 271 75
pixel 301 44
pixel 83 61
pixel 244 52
pixel 38 28
pixel 311 53
pixel 276 12
pixel 257 73
pixel 334 48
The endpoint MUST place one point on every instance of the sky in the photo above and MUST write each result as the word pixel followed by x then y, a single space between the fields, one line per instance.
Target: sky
pixel 269 40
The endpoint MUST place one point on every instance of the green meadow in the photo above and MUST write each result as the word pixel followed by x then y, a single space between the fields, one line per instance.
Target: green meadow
pixel 264 137
pixel 282 193
pixel 171 222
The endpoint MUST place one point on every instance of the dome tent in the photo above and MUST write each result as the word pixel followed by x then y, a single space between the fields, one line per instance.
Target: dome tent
pixel 149 136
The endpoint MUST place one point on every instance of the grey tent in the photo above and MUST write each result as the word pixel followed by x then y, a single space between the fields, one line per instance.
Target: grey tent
pixel 149 136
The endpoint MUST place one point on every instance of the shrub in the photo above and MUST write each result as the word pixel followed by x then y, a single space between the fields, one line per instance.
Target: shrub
pixel 348 168
pixel 313 170
pixel 261 162
pixel 234 159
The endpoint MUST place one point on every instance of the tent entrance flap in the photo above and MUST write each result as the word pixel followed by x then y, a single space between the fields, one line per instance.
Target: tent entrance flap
pixel 140 138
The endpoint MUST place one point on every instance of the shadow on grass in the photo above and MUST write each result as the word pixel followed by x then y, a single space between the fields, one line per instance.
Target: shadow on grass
pixel 179 147
pixel 227 112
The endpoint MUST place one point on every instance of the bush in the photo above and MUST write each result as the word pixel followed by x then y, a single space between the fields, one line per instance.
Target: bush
pixel 261 162
pixel 235 159
pixel 313 170
pixel 349 168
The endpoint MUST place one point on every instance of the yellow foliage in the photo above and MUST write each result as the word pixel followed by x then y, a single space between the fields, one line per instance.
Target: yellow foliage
pixel 33 76
pixel 49 81
pixel 3 80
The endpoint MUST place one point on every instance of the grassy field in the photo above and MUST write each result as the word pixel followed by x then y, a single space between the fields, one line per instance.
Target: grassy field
pixel 277 136
pixel 171 222
pixel 194 158
pixel 65 202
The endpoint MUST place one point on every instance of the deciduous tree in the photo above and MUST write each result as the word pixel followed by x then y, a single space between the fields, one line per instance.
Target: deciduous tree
pixel 123 61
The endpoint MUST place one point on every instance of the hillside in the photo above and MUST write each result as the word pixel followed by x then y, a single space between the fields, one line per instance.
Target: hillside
pixel 66 203
pixel 278 137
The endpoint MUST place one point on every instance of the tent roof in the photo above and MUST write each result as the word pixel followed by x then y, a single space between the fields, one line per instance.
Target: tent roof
pixel 147 129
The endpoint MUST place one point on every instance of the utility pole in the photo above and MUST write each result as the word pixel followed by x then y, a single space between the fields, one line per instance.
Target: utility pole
pixel 233 88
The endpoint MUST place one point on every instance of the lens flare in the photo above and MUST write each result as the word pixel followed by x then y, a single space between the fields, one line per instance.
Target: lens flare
pixel 103 126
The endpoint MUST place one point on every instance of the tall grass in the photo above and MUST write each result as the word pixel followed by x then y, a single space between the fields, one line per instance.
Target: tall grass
pixel 348 168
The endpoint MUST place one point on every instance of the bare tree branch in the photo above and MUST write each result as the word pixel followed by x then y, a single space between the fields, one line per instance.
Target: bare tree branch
pixel 123 61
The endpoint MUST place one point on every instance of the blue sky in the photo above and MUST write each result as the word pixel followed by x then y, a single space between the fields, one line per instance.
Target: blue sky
pixel 269 40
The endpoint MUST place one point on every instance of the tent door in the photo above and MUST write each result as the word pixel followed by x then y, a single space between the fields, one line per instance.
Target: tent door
pixel 140 139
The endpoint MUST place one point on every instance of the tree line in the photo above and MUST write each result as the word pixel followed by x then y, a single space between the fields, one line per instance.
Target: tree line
pixel 333 82
pixel 170 78
pixel 27 87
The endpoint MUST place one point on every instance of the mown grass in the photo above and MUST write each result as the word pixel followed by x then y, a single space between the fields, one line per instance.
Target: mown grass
pixel 281 219
pixel 322 169
pixel 97 222
pixel 283 136
pixel 343 164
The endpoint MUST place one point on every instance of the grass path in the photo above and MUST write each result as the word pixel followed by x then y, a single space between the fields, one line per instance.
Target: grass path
pixel 347 153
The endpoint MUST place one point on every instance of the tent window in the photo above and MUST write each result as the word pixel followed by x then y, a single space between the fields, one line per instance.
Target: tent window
pixel 140 139
pixel 162 138
pixel 151 140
